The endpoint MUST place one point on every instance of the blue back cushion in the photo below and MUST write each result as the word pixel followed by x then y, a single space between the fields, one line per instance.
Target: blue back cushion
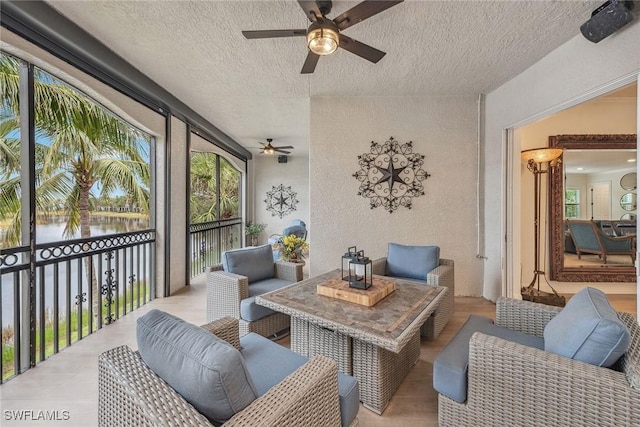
pixel 412 262
pixel 256 263
pixel 588 329
pixel 207 371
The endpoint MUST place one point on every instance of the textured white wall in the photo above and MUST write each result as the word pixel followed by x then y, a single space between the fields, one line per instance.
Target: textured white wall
pixel 444 129
pixel 269 173
pixel 575 69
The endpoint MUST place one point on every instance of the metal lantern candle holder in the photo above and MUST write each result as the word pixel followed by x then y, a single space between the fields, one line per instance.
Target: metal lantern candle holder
pixel 360 272
pixel 352 252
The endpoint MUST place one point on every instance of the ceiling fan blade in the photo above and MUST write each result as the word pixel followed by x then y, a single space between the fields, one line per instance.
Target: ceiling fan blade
pixel 286 147
pixel 282 151
pixel 310 63
pixel 310 9
pixel 362 11
pixel 266 34
pixel 362 50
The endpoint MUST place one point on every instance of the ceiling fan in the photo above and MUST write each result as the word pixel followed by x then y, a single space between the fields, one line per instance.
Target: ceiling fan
pixel 323 35
pixel 271 149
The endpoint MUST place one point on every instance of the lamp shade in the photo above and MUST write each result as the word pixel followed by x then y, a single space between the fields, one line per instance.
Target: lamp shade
pixel 323 38
pixel 541 155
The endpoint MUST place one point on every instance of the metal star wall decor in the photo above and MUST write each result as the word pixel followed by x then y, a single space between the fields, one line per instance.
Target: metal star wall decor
pixel 391 175
pixel 281 200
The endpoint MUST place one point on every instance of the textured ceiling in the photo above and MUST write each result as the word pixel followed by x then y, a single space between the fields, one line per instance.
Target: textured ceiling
pixel 253 89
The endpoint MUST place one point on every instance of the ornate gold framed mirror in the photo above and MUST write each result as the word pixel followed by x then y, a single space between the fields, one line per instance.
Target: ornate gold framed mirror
pixel 562 269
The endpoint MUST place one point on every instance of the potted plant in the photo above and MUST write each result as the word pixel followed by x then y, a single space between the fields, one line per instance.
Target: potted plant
pixel 293 248
pixel 253 230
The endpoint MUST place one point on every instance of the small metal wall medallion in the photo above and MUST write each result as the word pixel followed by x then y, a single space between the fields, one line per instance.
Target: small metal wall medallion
pixel 391 175
pixel 281 200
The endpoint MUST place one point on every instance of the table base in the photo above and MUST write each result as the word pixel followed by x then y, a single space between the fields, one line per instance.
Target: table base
pixel 379 371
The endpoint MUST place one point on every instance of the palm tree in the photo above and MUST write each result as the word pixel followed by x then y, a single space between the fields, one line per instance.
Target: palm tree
pixel 204 200
pixel 229 190
pixel 90 150
pixel 203 187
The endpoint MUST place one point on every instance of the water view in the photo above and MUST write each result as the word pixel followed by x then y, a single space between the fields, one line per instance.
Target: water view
pixel 53 232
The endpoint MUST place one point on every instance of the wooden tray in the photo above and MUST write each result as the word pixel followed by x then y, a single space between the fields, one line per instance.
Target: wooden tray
pixel 339 289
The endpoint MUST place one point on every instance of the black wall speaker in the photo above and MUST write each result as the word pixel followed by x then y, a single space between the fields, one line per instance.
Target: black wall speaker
pixel 607 19
pixel 282 159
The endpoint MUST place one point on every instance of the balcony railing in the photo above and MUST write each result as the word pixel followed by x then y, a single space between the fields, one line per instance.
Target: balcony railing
pixel 210 239
pixel 71 289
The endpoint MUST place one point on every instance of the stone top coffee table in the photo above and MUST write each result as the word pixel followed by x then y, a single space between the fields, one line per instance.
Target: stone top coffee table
pixel 378 344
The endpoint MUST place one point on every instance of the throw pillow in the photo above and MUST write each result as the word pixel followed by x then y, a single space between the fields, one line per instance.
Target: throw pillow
pixel 208 372
pixel 588 329
pixel 412 262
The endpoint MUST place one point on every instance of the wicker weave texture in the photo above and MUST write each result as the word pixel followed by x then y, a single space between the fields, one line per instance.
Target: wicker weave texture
pixel 512 384
pixel 630 362
pixel 266 326
pixel 224 293
pixel 332 344
pixel 226 329
pixel 380 372
pixel 313 389
pixel 299 336
pixel 524 316
pixel 290 271
pixel 131 394
pixel 226 290
pixel 443 275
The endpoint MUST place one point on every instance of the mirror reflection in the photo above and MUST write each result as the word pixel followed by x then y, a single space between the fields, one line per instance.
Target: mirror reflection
pixel 628 202
pixel 629 181
pixel 593 227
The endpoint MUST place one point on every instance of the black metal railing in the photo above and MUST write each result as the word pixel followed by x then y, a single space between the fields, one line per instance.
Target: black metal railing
pixel 210 239
pixel 71 289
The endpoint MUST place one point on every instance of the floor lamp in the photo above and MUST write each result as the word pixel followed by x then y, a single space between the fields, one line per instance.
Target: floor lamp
pixel 536 160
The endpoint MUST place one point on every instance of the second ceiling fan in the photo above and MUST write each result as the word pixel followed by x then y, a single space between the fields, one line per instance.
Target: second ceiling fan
pixel 271 149
pixel 324 36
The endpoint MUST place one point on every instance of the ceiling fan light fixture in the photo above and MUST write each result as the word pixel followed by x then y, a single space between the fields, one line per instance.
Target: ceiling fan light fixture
pixel 322 39
pixel 269 150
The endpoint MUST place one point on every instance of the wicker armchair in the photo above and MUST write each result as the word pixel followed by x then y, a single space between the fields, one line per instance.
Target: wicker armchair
pixel 226 290
pixel 514 385
pixel 131 394
pixel 443 275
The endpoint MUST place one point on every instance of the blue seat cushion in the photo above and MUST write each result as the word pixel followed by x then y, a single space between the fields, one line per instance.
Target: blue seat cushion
pixel 256 263
pixel 208 372
pixel 411 262
pixel 450 366
pixel 267 285
pixel 249 310
pixel 269 363
pixel 588 329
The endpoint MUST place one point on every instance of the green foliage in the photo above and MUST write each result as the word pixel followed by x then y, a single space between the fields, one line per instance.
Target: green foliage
pixel 253 229
pixel 8 352
pixel 88 148
pixel 204 199
pixel 572 203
